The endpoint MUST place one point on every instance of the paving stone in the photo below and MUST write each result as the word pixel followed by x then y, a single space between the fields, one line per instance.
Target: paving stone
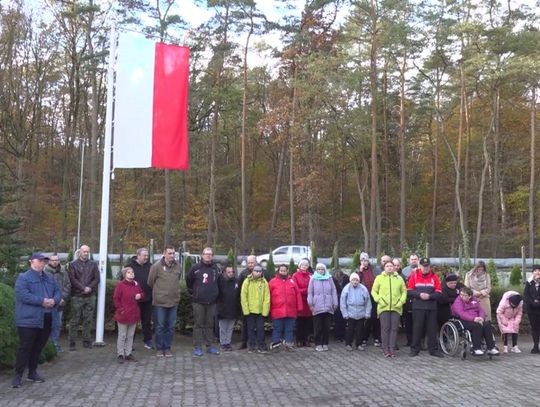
pixel 92 377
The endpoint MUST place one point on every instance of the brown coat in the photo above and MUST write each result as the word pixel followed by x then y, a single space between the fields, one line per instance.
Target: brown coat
pixel 83 274
pixel 165 283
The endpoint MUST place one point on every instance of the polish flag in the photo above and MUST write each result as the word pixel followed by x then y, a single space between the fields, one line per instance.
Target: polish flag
pixel 150 109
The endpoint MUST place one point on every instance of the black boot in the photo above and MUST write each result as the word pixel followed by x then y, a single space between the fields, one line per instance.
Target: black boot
pixel 535 349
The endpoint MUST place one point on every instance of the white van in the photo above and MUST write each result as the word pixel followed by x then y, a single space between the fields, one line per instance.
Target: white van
pixel 284 254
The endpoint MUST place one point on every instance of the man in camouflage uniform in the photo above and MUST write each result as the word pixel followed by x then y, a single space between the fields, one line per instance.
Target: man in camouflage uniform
pixel 84 277
pixel 62 279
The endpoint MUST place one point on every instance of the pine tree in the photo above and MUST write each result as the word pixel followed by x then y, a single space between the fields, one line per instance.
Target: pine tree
pixel 492 271
pixel 231 258
pixel 292 267
pixel 188 263
pixel 270 266
pixel 515 276
pixel 335 257
pixel 313 259
pixel 355 261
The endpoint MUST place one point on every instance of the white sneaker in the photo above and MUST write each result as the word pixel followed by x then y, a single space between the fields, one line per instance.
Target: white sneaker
pixel 325 347
pixel 515 349
pixel 318 348
pixel 493 351
pixel 478 352
pixel 505 349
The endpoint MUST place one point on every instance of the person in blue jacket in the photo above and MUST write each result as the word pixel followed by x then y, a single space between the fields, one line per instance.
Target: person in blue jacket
pixel 36 294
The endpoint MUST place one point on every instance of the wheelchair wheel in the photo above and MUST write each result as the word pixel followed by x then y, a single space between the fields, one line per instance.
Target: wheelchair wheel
pixel 449 339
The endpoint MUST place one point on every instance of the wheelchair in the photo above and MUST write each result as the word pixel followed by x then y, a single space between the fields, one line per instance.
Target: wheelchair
pixel 454 339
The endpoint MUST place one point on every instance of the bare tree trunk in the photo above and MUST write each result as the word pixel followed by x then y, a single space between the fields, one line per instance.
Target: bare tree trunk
pixel 384 158
pixel 497 164
pixel 211 232
pixel 435 172
pixel 464 235
pixel 379 235
pixel 277 190
pixel 482 187
pixel 291 161
pixel 361 191
pixel 533 170
pixel 467 161
pixel 93 159
pixel 374 166
pixel 243 136
pixel 464 231
pixel 498 201
pixel 402 167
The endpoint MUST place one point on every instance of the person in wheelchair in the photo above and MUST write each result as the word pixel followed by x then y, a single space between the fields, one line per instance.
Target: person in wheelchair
pixel 467 308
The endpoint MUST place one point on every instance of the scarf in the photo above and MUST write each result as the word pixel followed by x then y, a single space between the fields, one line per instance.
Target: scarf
pixel 317 276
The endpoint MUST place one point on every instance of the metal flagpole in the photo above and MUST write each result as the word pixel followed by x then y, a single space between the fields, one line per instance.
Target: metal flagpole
pixel 105 194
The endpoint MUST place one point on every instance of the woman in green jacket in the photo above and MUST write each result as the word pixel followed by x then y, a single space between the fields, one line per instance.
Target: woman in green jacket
pixel 390 293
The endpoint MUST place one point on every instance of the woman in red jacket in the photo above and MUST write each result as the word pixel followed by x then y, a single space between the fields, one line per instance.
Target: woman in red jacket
pixel 304 322
pixel 126 296
pixel 285 302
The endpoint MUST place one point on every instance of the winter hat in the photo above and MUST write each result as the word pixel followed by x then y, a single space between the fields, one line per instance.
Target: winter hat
pixel 364 256
pixel 451 277
pixel 353 276
pixel 515 300
pixel 303 261
pixel 258 268
pixel 320 266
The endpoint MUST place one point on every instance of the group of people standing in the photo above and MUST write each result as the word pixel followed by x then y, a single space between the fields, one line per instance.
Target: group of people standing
pixel 368 302
pixel 41 294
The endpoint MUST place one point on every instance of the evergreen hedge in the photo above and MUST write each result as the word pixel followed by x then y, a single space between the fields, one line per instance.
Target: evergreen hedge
pixel 8 334
pixel 9 339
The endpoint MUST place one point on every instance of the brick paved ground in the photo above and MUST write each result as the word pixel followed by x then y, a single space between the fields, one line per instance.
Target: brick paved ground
pixel 303 378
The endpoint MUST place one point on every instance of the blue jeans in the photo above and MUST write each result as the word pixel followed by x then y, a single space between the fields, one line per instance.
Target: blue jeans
pixel 283 328
pixel 165 321
pixel 255 324
pixel 57 318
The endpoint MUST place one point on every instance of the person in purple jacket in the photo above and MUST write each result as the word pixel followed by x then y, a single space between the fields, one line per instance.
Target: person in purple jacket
pixel 322 301
pixel 467 308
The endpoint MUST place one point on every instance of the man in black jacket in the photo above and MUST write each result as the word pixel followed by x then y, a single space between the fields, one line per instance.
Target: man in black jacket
pixel 141 266
pixel 228 306
pixel 531 298
pixel 202 284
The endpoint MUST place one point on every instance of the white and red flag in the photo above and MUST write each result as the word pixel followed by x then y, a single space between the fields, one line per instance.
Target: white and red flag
pixel 150 109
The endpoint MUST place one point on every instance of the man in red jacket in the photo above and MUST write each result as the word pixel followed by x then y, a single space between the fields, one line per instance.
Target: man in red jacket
pixel 424 288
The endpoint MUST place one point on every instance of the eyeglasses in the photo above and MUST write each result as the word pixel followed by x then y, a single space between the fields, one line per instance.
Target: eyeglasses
pixel 208 254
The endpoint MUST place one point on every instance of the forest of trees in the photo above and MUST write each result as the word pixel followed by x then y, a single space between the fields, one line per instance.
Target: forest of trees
pixel 384 125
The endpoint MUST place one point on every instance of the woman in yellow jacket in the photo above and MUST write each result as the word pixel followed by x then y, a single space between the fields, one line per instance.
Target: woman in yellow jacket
pixel 255 300
pixel 390 293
